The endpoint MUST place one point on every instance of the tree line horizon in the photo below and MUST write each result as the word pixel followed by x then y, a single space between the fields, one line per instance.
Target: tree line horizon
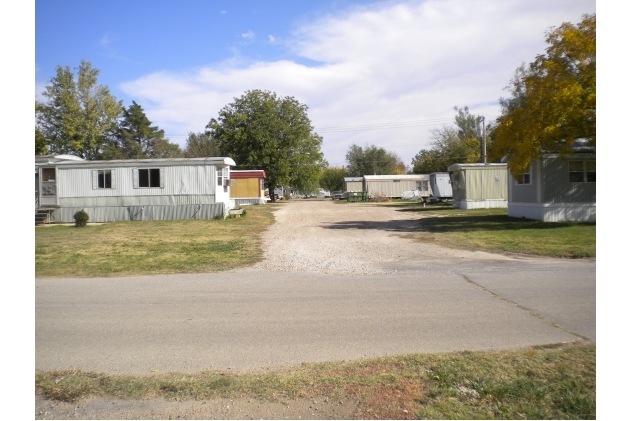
pixel 551 104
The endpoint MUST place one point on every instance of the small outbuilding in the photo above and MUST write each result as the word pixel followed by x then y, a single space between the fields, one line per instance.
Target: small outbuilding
pixel 477 186
pixel 556 189
pixel 353 184
pixel 134 189
pixel 394 185
pixel 248 188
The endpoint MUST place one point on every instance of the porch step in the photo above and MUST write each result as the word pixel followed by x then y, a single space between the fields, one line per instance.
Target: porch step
pixel 42 215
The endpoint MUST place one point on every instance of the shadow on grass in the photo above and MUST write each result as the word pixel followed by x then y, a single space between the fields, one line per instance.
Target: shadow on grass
pixel 469 223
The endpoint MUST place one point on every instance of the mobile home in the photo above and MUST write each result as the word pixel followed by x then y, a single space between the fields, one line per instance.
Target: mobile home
pixel 479 185
pixel 556 189
pixel 394 185
pixel 138 189
pixel 440 185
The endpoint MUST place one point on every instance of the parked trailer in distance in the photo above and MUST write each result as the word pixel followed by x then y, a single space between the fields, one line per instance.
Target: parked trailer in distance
pixel 441 186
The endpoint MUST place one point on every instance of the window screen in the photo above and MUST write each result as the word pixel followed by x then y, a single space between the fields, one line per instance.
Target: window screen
pixel 590 171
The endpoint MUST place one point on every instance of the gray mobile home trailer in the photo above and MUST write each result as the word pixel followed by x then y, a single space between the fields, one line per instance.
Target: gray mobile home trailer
pixel 556 189
pixel 142 189
pixel 394 185
pixel 440 185
pixel 477 186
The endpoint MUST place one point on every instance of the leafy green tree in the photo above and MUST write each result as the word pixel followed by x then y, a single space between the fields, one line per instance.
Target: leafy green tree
pixel 449 146
pixel 262 130
pixel 372 160
pixel 78 116
pixel 553 99
pixel 199 145
pixel 136 138
pixel 332 178
pixel 40 143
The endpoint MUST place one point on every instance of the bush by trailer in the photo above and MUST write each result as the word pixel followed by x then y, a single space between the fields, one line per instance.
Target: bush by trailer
pixel 479 185
pixel 142 189
pixel 394 185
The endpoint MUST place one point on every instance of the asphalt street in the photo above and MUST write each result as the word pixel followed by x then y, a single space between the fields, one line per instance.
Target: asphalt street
pixel 253 319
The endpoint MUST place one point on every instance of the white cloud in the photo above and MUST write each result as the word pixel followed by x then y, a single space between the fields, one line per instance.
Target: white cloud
pixel 249 35
pixel 271 38
pixel 223 12
pixel 389 62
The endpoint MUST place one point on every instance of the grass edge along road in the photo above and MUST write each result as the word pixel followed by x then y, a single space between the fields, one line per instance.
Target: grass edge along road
pixel 545 382
pixel 152 247
pixel 493 230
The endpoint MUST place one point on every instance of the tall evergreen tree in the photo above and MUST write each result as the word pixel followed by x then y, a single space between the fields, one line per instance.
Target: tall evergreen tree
pixel 136 138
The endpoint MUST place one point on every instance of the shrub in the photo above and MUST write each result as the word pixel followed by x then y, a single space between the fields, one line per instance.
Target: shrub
pixel 379 197
pixel 81 218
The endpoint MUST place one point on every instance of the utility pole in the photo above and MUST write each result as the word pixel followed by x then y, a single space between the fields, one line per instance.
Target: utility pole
pixel 483 141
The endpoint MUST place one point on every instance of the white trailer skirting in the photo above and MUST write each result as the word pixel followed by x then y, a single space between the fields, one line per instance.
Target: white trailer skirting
pixel 554 212
pixel 480 204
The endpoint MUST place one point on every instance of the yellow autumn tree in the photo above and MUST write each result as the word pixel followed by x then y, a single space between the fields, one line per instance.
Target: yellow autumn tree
pixel 553 99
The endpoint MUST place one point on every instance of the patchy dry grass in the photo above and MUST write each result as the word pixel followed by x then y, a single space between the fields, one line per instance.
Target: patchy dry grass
pixel 151 247
pixel 492 230
pixel 553 382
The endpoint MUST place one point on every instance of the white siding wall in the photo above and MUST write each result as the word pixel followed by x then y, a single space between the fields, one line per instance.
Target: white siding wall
pixel 177 180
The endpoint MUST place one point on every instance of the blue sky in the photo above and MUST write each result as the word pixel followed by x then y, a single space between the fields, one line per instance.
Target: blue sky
pixel 371 72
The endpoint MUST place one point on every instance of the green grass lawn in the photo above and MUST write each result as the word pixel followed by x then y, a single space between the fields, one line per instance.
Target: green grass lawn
pixel 151 247
pixel 553 382
pixel 493 230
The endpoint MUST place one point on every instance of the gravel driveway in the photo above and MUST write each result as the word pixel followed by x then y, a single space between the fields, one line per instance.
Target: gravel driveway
pixel 338 238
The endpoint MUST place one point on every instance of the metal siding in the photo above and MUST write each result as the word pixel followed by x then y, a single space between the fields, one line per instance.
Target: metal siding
pixel 353 186
pixel 486 183
pixel 557 187
pixel 136 201
pixel 390 188
pixel 440 185
pixel 146 213
pixel 178 180
pixel 526 193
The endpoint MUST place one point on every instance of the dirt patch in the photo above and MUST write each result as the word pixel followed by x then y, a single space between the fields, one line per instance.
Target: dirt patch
pixel 97 408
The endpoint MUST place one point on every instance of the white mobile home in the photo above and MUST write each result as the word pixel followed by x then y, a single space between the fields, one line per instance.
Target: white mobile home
pixel 479 185
pixel 440 185
pixel 394 185
pixel 143 189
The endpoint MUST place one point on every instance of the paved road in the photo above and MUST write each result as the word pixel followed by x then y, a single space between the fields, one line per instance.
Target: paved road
pixel 254 319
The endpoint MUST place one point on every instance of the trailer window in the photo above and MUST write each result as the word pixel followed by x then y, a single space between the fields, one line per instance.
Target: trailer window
pixel 523 178
pixel 104 179
pixel 48 174
pixel 149 177
pixel 590 171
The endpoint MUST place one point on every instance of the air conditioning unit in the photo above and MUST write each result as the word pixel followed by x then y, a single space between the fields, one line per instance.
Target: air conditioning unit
pixel 228 182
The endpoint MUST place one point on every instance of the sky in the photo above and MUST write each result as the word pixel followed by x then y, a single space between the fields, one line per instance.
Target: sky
pixel 381 73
